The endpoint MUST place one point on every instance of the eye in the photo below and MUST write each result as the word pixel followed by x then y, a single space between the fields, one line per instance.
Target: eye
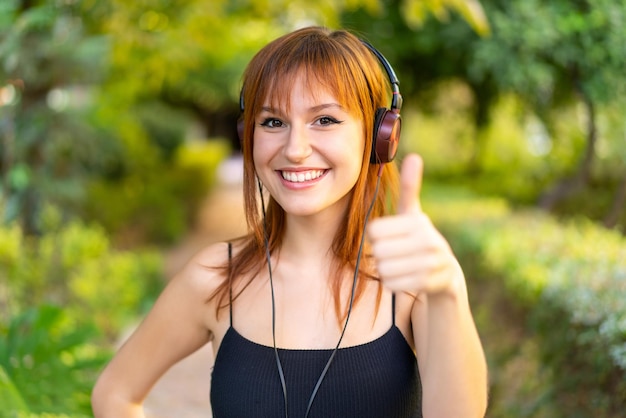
pixel 327 120
pixel 272 123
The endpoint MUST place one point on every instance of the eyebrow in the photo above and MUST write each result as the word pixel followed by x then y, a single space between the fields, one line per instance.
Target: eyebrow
pixel 316 108
pixel 326 106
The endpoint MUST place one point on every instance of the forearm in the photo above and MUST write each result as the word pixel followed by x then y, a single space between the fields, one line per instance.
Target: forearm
pixel 455 371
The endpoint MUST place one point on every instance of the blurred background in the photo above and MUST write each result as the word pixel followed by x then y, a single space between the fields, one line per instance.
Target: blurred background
pixel 119 158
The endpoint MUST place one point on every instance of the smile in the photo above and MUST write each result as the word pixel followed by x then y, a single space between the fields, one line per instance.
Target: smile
pixel 301 176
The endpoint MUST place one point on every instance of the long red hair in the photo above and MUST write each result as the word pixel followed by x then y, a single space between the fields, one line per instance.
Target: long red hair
pixel 338 62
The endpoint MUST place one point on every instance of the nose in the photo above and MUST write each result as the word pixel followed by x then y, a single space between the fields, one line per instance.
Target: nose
pixel 298 146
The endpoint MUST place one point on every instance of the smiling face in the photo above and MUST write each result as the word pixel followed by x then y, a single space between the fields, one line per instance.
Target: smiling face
pixel 309 68
pixel 308 151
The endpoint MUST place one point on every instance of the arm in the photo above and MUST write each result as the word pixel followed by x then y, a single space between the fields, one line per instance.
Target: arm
pixel 176 326
pixel 449 352
pixel 412 256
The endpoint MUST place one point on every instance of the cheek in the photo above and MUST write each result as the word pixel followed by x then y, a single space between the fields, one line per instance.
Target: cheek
pixel 357 147
pixel 262 153
pixel 259 152
pixel 351 153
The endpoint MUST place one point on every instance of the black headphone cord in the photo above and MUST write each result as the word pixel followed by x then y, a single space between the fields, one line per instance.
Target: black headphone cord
pixel 269 269
pixel 352 294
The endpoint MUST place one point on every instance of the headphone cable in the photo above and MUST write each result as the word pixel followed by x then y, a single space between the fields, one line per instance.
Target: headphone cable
pixel 269 268
pixel 352 293
pixel 351 302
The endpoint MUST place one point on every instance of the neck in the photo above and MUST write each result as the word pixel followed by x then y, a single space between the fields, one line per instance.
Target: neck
pixel 313 234
pixel 306 239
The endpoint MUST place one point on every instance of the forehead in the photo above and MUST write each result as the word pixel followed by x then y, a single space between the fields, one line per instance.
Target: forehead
pixel 301 90
pixel 313 85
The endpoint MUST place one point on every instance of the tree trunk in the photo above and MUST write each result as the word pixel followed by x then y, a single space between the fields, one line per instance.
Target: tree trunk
pixel 574 184
pixel 33 156
pixel 484 97
pixel 618 207
pixel 216 123
pixel 7 153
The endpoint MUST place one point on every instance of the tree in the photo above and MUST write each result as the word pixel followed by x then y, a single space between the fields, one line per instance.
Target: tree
pixel 48 146
pixel 191 54
pixel 555 54
pixel 551 56
pixel 98 89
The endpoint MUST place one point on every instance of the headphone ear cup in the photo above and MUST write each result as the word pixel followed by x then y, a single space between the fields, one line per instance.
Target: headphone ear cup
pixel 240 128
pixel 387 125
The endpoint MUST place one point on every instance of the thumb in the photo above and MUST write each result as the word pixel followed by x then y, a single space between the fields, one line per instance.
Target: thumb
pixel 410 184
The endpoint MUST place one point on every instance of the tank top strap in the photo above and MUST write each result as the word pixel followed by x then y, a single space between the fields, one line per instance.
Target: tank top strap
pixel 393 309
pixel 230 287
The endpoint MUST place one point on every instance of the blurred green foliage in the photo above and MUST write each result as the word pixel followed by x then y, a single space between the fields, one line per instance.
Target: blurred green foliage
pixel 65 296
pixel 560 64
pixel 48 148
pixel 564 286
pixel 119 112
pixel 104 92
pixel 73 264
pixel 98 103
pixel 158 202
pixel 51 363
pixel 10 397
pixel 514 165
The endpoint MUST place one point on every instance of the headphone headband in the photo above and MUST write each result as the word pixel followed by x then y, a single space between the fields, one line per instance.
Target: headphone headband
pixel 396 99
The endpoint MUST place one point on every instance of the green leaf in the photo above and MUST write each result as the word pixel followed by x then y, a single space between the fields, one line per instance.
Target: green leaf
pixel 10 398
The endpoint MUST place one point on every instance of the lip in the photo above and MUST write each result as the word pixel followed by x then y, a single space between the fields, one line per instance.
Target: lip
pixel 315 174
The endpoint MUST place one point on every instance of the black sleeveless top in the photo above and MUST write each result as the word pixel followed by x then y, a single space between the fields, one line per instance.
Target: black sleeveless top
pixel 378 379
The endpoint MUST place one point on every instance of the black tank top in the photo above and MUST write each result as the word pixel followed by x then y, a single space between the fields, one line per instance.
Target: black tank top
pixel 378 379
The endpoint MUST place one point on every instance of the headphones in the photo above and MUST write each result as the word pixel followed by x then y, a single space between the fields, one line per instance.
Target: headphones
pixel 387 122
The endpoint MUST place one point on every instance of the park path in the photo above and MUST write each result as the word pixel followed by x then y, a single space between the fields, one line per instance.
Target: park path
pixel 183 392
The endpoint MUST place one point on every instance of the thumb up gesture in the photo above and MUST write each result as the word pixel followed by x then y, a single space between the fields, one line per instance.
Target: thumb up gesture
pixel 410 254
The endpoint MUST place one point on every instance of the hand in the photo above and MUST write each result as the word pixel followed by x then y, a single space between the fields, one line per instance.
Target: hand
pixel 410 254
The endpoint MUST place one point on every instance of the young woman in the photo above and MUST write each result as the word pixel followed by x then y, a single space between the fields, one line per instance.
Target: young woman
pixel 330 307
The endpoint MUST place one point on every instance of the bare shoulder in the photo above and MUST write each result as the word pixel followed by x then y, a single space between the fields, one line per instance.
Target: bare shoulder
pixel 203 273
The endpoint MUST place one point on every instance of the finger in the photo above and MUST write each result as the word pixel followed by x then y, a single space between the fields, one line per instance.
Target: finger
pixel 428 263
pixel 398 225
pixel 410 184
pixel 432 277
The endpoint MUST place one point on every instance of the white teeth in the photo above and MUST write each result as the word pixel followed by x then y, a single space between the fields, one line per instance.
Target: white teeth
pixel 301 176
